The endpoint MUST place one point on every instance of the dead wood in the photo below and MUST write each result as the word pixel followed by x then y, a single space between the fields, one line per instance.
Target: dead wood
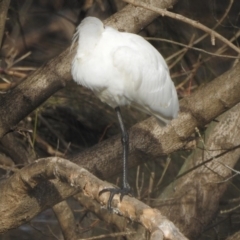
pixel 17 202
pixel 195 196
pixel 14 210
pixel 110 218
pixel 66 220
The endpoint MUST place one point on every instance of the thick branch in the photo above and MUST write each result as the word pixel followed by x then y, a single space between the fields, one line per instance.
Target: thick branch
pixel 110 218
pixel 133 19
pixel 198 201
pixel 26 182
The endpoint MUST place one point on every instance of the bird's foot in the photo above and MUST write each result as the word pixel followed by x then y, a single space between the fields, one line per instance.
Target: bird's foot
pixel 113 192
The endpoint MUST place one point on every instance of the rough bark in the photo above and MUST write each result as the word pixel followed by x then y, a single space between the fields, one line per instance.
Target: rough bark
pixel 136 18
pixel 195 196
pixel 109 218
pixel 14 210
pixel 13 147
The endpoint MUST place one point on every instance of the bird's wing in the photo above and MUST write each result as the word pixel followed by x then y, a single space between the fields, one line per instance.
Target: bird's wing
pixel 146 78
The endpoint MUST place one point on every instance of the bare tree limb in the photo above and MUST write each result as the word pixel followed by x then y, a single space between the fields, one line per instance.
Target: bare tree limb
pixel 66 220
pixel 133 19
pixel 26 181
pixel 110 218
pixel 198 201
pixel 18 204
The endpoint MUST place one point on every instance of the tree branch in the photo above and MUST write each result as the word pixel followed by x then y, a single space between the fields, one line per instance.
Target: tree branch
pixel 66 220
pixel 198 201
pixel 27 180
pixel 195 24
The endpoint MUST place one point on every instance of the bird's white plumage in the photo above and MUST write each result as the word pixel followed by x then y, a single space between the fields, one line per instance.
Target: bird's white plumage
pixel 123 68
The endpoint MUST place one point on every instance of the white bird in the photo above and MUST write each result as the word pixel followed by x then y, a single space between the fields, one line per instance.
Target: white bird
pixel 123 69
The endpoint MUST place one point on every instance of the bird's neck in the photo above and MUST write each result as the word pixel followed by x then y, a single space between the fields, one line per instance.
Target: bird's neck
pixel 88 39
pixel 86 45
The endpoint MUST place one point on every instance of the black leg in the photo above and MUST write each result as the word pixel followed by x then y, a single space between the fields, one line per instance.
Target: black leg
pixel 125 142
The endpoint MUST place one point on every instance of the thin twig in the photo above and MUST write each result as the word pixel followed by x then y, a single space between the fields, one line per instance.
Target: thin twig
pixel 139 187
pixel 48 125
pixel 205 35
pixel 218 23
pixel 190 47
pixel 164 171
pixel 7 168
pixel 182 54
pixel 194 23
pixel 192 73
pixel 151 181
